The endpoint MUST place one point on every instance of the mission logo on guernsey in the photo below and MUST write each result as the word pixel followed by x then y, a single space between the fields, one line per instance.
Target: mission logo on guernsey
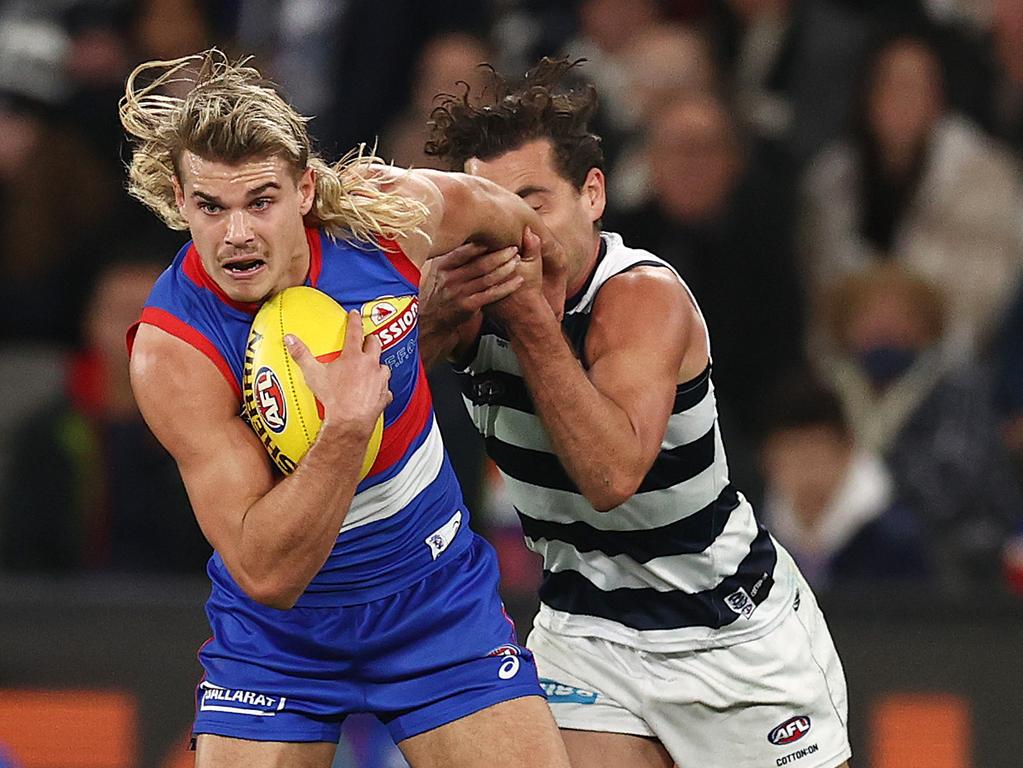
pixel 391 319
pixel 684 563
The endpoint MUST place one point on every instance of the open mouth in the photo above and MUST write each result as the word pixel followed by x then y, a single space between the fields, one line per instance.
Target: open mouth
pixel 243 266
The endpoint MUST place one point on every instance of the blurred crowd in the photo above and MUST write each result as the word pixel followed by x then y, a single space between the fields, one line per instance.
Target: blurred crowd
pixel 838 181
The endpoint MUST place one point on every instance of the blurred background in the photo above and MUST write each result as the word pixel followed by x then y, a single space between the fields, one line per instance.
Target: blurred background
pixel 839 182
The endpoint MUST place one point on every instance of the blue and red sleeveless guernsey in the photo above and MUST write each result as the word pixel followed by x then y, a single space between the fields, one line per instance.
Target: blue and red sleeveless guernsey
pixel 408 517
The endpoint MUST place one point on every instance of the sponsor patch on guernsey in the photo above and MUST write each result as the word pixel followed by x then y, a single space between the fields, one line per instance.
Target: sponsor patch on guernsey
pixel 391 318
pixel 441 539
pixel 238 702
pixel 559 693
pixel 740 602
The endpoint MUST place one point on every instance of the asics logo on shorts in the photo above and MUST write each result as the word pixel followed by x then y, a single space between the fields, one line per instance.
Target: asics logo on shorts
pixel 510 666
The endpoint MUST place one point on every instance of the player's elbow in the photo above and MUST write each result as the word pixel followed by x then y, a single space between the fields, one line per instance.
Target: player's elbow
pixel 271 592
pixel 612 491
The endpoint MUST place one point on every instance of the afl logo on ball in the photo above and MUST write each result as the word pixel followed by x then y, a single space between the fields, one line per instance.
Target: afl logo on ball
pixel 270 403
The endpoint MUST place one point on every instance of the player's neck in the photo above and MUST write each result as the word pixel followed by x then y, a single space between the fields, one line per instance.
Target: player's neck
pixel 301 263
pixel 577 278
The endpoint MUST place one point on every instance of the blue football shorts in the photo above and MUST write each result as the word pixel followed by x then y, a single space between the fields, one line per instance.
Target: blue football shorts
pixel 428 655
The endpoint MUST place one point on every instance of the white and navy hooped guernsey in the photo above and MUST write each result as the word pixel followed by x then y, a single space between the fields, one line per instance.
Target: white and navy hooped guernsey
pixel 409 508
pixel 684 563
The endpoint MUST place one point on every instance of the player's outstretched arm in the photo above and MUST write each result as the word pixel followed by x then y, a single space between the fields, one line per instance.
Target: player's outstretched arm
pixel 606 422
pixel 274 536
pixel 471 209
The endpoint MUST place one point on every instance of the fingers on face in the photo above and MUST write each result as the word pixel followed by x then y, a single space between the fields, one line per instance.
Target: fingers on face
pixel 531 244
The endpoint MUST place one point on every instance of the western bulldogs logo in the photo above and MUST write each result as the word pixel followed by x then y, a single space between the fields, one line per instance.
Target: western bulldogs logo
pixel 791 730
pixel 440 539
pixel 270 403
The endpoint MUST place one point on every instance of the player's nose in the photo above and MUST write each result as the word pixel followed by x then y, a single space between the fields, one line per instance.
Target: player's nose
pixel 239 228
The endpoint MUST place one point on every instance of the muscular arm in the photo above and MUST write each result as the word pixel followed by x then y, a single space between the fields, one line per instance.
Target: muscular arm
pixel 273 536
pixel 471 209
pixel 606 424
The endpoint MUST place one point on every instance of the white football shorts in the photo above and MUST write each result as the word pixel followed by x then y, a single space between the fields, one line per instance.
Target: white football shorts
pixel 778 700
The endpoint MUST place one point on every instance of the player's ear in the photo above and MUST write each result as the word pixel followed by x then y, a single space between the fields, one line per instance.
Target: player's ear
pixel 594 193
pixel 306 190
pixel 179 194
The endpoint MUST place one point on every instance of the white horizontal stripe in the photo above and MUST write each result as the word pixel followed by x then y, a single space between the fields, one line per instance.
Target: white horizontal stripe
pixel 696 572
pixel 764 619
pixel 691 424
pixel 520 429
pixel 494 354
pixel 235 710
pixel 526 430
pixel 644 510
pixel 391 496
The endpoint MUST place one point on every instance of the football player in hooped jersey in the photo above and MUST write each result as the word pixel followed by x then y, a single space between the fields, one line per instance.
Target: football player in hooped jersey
pixel 398 614
pixel 672 628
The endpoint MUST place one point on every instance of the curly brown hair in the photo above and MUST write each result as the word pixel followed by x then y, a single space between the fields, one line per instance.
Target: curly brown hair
pixel 507 115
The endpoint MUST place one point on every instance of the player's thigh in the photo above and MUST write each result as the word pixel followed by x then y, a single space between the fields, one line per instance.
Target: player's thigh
pixel 592 749
pixel 513 734
pixel 213 751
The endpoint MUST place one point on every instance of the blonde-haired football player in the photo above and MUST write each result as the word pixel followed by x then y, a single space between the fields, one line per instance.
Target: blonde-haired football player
pixel 330 595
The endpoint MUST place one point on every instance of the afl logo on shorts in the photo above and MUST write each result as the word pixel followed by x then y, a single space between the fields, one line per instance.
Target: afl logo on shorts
pixel 270 403
pixel 390 319
pixel 791 730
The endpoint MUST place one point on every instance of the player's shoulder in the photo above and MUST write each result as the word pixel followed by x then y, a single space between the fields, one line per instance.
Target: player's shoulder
pixel 623 269
pixel 175 386
pixel 637 281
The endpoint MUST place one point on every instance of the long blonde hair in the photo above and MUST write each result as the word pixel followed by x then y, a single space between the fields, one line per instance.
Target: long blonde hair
pixel 230 113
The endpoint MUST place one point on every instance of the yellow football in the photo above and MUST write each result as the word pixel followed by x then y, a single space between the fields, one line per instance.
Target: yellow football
pixel 279 405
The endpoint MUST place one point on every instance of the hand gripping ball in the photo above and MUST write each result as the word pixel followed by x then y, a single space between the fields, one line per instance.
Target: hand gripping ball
pixel 279 405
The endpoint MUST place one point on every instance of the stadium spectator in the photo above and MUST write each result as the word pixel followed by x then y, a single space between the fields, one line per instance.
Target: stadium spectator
pixel 921 186
pixel 1010 378
pixel 1007 102
pixel 45 168
pixel 661 64
pixel 931 418
pixel 606 30
pixel 725 222
pixel 446 59
pixel 792 66
pixel 830 502
pixel 89 488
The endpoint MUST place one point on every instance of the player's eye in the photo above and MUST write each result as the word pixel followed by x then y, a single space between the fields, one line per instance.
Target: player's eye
pixel 260 203
pixel 209 208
